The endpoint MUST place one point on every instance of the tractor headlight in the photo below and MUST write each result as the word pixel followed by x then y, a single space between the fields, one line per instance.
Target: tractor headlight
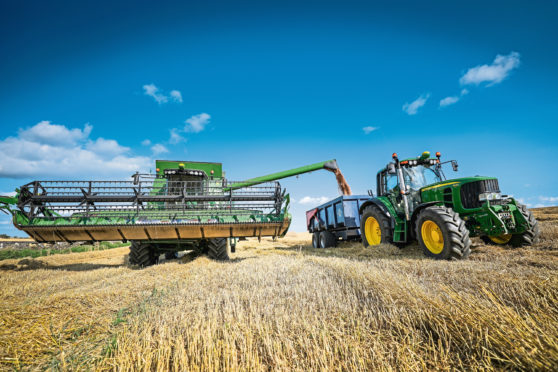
pixel 490 196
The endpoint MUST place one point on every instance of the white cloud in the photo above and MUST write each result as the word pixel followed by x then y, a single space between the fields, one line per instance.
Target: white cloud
pixel 35 153
pixel 368 130
pixel 494 73
pixel 313 200
pixel 8 193
pixel 159 149
pixel 106 148
pixel 153 91
pixel 175 137
pixel 197 123
pixel 551 199
pixel 54 134
pixel 176 96
pixel 453 99
pixel 146 142
pixel 449 101
pixel 412 108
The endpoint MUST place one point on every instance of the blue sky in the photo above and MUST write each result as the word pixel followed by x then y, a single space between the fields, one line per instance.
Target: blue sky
pixel 264 86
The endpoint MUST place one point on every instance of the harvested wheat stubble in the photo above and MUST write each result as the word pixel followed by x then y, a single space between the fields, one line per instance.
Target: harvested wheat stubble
pixel 285 306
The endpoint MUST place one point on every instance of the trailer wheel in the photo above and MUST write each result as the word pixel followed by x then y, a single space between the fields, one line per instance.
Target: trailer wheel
pixel 327 239
pixel 442 234
pixel 142 254
pixel 316 240
pixel 533 232
pixel 218 249
pixel 374 227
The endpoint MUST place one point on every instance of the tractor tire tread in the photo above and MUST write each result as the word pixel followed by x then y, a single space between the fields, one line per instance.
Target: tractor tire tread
pixel 532 234
pixel 218 249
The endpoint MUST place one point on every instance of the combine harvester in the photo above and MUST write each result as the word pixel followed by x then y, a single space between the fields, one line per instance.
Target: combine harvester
pixel 184 206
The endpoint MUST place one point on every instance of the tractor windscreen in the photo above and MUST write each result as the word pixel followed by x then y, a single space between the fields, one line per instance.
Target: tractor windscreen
pixel 421 175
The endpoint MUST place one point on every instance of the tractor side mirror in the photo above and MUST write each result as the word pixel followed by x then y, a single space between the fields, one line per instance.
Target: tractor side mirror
pixel 391 168
pixel 454 165
pixel 370 193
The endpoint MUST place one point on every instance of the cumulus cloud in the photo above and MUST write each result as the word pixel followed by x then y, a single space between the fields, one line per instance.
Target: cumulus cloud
pixel 313 200
pixel 159 149
pixel 8 193
pixel 54 134
pixel 197 123
pixel 494 73
pixel 449 101
pixel 368 130
pixel 146 142
pixel 175 137
pixel 176 96
pixel 106 148
pixel 154 92
pixel 549 199
pixel 412 108
pixel 453 99
pixel 37 152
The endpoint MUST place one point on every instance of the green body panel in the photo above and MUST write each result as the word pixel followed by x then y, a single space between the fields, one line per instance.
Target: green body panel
pixel 400 225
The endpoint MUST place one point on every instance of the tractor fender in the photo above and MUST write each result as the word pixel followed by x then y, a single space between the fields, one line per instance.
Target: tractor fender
pixel 378 203
pixel 416 213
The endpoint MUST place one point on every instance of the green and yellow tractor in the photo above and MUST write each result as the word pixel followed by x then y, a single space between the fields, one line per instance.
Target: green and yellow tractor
pixel 415 201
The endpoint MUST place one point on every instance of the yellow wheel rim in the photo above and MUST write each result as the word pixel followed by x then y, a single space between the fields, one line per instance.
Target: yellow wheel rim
pixel 372 231
pixel 432 237
pixel 501 239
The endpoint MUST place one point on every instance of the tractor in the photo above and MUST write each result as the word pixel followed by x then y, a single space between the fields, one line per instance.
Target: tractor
pixel 415 201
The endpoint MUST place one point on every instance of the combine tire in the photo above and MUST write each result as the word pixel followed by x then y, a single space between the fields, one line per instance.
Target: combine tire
pixel 316 240
pixel 442 234
pixel 142 255
pixel 533 232
pixel 374 227
pixel 327 239
pixel 218 249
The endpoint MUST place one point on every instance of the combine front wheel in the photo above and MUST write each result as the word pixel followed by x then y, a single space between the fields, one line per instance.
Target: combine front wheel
pixel 218 249
pixel 442 234
pixel 142 254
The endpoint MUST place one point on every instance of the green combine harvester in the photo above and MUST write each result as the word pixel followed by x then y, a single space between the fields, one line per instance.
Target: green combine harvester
pixel 415 201
pixel 184 206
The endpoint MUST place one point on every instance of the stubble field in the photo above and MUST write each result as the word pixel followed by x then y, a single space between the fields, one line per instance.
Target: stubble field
pixel 285 306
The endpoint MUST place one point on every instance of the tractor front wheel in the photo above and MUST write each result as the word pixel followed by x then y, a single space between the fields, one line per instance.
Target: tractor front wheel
pixel 528 237
pixel 374 227
pixel 533 232
pixel 442 234
pixel 142 254
pixel 218 249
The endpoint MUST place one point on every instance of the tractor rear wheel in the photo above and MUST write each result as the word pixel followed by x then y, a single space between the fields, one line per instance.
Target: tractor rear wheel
pixel 442 234
pixel 218 249
pixel 316 240
pixel 142 254
pixel 374 227
pixel 327 239
pixel 533 232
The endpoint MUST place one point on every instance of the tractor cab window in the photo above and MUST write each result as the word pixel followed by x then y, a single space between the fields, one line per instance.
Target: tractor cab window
pixel 420 176
pixel 391 181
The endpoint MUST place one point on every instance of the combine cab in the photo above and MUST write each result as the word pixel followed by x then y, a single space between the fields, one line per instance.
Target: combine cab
pixel 184 206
